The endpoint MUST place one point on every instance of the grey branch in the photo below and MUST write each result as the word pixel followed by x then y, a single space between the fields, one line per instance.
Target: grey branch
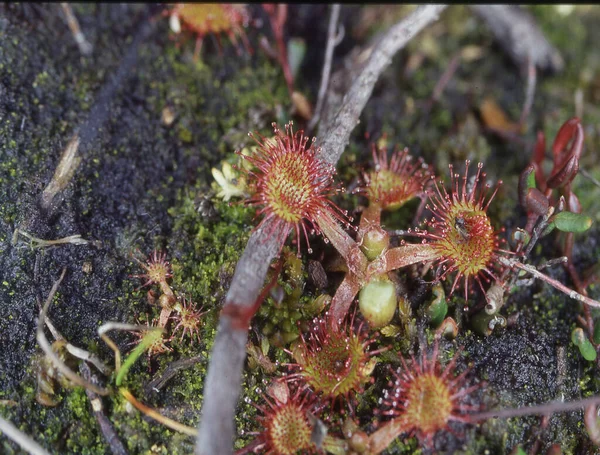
pixel 519 36
pixel 337 135
pixel 223 381
pixel 24 440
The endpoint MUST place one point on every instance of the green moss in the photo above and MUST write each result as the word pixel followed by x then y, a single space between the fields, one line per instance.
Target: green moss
pixel 207 245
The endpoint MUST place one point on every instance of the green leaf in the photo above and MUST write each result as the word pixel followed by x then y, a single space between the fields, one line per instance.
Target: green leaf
pixel 551 226
pixel 149 338
pixel 531 180
pixel 587 351
pixel 296 50
pixel 438 307
pixel 585 347
pixel 572 222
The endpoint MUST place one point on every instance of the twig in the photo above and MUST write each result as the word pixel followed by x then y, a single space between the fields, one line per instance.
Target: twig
pixel 337 134
pixel 443 82
pixel 45 345
pixel 41 243
pixel 331 42
pixel 154 414
pixel 537 231
pixel 24 440
pixel 590 177
pixel 68 164
pixel 109 433
pixel 159 381
pixel 224 378
pixel 529 91
pixel 541 409
pixel 104 328
pixel 512 263
pixel 223 381
pixel 517 33
pixel 84 45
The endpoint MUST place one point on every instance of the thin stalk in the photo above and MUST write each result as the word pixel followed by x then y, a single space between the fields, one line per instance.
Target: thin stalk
pixel 552 282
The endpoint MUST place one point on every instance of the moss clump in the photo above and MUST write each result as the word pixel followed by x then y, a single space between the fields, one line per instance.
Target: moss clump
pixel 208 238
pixel 280 314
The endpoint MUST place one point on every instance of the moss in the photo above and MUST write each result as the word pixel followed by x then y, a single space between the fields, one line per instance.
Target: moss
pixel 207 245
pixel 83 435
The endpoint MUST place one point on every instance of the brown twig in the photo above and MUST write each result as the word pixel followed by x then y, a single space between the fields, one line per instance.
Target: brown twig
pixel 223 380
pixel 47 348
pixel 84 45
pixel 443 82
pixel 110 435
pixel 155 415
pixel 541 409
pixel 529 92
pixel 159 381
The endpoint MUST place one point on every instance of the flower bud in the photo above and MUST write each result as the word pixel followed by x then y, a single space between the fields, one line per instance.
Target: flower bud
pixel 374 242
pixel 377 302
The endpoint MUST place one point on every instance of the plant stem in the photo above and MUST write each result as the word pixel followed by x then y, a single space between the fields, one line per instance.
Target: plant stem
pixel 541 409
pixel 331 42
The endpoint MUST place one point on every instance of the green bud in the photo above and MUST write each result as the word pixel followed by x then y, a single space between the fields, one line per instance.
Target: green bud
pixel 288 337
pixel 264 345
pixel 585 347
pixel 377 302
pixel 437 309
pixel 520 235
pixel 374 242
pixel 317 305
pixel 268 328
pixel 571 222
pixel 484 324
pixel 287 326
